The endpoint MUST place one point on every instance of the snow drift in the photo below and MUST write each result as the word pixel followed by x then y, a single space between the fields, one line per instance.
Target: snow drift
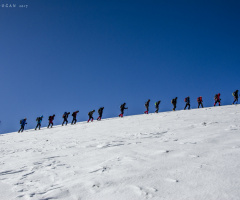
pixel 178 155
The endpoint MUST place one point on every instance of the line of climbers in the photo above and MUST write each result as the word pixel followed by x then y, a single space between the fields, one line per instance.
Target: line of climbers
pixel 23 122
pixel 123 107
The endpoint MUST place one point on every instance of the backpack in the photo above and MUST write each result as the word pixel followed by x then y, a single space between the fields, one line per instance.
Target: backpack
pixel 21 121
pixel 198 99
pixel 234 94
pixel 185 99
pixel 216 96
pixel 37 118
pixel 64 114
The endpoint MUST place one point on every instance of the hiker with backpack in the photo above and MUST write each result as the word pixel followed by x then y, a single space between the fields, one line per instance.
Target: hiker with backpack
pixel 157 106
pixel 90 115
pixel 174 103
pixel 23 122
pixel 65 117
pixel 100 112
pixel 235 95
pixel 39 121
pixel 147 106
pixel 199 100
pixel 122 108
pixel 74 114
pixel 187 100
pixel 50 120
pixel 217 99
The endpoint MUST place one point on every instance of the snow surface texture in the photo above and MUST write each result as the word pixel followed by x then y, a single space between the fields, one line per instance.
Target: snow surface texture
pixel 182 155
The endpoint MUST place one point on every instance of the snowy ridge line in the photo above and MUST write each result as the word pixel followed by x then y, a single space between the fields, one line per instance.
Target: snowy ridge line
pixel 114 118
pixel 173 155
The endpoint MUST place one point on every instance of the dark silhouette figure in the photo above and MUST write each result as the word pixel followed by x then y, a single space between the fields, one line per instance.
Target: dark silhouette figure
pixel 199 100
pixel 23 122
pixel 122 108
pixel 187 100
pixel 174 103
pixel 235 95
pixel 147 106
pixel 74 121
pixel 157 106
pixel 50 121
pixel 100 112
pixel 39 122
pixel 90 115
pixel 217 99
pixel 65 117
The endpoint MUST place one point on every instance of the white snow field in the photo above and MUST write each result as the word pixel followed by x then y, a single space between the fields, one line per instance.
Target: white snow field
pixel 182 155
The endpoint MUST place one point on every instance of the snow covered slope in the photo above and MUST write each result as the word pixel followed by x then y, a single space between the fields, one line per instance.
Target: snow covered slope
pixel 182 155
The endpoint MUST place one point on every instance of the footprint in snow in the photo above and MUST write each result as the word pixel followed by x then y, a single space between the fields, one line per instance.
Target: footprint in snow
pixel 161 152
pixel 232 128
pixel 27 174
pixel 159 133
pixel 96 185
pixel 136 143
pixel 203 165
pixel 20 196
pixel 146 192
pixel 11 172
pixel 213 123
pixel 188 143
pixel 172 180
pixel 101 170
pixel 194 156
pixel 103 146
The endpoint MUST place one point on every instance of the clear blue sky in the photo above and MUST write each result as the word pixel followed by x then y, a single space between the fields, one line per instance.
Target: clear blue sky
pixel 65 55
